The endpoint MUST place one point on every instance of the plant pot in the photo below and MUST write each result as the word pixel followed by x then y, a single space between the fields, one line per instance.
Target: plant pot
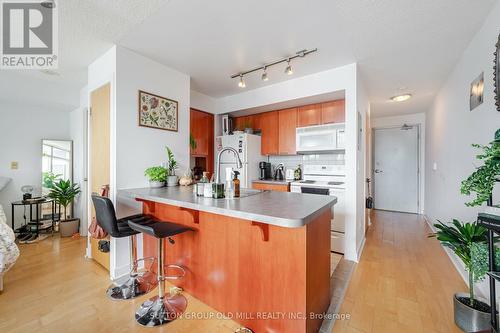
pixel 69 227
pixel 156 184
pixel 249 130
pixel 469 319
pixel 172 180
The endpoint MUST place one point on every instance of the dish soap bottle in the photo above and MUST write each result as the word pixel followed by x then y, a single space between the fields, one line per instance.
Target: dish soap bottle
pixel 236 184
pixel 297 174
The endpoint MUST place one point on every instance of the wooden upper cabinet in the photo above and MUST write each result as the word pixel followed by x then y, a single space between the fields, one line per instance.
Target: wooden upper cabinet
pixel 287 125
pixel 269 128
pixel 255 121
pixel 200 130
pixel 333 112
pixel 309 115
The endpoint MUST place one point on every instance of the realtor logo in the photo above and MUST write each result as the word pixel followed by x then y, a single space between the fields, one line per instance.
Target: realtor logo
pixel 29 34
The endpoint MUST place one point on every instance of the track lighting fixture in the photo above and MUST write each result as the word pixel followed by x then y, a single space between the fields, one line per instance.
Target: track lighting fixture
pixel 241 84
pixel 264 77
pixel 288 69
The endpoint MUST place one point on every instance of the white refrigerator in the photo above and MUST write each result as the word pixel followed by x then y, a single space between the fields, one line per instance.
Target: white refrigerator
pixel 248 147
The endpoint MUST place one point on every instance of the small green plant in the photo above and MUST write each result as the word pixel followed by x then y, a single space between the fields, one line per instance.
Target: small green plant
pixel 467 241
pixel 64 192
pixel 48 179
pixel 156 173
pixel 172 163
pixel 483 179
pixel 192 141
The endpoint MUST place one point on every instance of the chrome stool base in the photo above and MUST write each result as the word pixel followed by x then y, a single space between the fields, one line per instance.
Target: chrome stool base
pixel 157 311
pixel 135 286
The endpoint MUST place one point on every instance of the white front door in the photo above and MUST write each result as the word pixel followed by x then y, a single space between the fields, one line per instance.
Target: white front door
pixel 395 169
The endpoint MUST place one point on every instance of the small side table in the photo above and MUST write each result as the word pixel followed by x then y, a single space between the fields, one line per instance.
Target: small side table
pixel 37 203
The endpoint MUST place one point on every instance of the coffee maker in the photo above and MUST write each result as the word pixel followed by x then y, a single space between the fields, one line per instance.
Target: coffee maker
pixel 265 170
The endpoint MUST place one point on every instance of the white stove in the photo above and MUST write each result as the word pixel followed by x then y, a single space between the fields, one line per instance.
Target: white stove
pixel 327 180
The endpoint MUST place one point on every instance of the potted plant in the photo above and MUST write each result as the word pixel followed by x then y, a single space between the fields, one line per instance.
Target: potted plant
pixel 157 176
pixel 468 242
pixel 483 179
pixel 248 127
pixel 172 179
pixel 64 192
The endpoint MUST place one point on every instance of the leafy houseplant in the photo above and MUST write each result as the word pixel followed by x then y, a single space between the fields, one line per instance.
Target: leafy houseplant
pixel 192 142
pixel 468 242
pixel 482 180
pixel 48 179
pixel 156 175
pixel 171 166
pixel 64 193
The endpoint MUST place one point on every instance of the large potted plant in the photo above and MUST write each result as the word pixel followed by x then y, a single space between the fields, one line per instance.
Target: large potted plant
pixel 157 176
pixel 64 192
pixel 468 242
pixel 483 179
pixel 172 165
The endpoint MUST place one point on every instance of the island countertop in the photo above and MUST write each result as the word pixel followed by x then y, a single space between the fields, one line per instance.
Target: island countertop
pixel 283 209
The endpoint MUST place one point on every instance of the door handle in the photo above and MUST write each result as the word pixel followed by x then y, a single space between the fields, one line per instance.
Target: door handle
pixel 377 171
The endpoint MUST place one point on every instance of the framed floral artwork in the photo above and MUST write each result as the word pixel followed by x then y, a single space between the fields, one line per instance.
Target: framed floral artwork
pixel 158 112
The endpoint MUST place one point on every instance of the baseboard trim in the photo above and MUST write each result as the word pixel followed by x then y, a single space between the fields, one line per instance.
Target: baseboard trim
pixel 360 249
pixel 460 268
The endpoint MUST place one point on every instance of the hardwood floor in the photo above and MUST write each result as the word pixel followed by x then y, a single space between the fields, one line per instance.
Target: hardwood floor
pixel 404 281
pixel 53 288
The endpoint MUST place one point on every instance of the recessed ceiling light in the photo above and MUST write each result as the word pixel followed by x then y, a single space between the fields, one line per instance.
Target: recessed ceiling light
pixel 401 98
pixel 241 84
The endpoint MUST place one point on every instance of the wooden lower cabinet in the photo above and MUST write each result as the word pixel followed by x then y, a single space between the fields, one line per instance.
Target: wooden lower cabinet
pixel 271 187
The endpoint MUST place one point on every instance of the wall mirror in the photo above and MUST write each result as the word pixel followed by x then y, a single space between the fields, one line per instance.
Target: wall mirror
pixel 497 74
pixel 57 162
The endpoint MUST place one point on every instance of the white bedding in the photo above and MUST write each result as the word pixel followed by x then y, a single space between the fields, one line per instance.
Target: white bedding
pixel 9 252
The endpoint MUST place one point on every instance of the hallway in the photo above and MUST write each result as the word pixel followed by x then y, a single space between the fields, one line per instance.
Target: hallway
pixel 404 282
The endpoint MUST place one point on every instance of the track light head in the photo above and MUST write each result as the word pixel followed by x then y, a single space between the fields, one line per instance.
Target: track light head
pixel 264 76
pixel 241 84
pixel 288 69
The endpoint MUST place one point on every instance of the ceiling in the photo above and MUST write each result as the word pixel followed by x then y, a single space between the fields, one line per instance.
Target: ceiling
pixel 406 44
pixel 86 30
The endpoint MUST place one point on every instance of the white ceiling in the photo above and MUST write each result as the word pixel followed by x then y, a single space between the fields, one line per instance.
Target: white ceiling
pixel 404 43
pixel 408 43
pixel 86 30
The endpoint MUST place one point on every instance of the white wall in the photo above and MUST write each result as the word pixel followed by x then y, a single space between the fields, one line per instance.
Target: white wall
pixel 362 107
pixel 338 79
pixel 409 119
pixel 135 148
pixel 22 129
pixel 452 128
pixel 78 133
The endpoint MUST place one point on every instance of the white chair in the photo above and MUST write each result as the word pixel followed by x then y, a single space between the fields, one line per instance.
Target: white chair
pixel 9 252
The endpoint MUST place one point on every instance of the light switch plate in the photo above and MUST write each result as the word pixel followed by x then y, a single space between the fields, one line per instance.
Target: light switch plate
pixel 14 165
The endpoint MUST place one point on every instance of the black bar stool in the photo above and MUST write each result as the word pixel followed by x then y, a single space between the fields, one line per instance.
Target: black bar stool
pixel 165 307
pixel 138 282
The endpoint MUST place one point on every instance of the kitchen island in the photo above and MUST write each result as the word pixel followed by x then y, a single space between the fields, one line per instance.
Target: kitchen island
pixel 263 259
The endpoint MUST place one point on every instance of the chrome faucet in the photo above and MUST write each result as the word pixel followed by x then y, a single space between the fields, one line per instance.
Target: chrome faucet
pixel 239 164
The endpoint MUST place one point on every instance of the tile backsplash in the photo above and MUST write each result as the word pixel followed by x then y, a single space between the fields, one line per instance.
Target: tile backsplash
pixel 293 161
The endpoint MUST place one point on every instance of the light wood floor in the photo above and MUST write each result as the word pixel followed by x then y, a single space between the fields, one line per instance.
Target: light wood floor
pixel 53 288
pixel 404 281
